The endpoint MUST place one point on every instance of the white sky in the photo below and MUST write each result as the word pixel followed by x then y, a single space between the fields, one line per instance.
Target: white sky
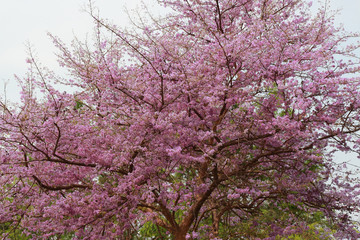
pixel 29 21
pixel 25 21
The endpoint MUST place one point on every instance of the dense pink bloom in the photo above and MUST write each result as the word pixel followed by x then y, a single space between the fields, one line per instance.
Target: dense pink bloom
pixel 218 110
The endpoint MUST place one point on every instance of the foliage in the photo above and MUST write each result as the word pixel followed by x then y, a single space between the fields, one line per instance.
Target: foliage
pixel 213 122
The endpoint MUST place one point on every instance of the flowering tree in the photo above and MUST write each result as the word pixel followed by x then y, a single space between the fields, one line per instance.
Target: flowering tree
pixel 201 125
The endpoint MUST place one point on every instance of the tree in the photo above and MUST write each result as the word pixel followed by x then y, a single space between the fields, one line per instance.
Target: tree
pixel 213 122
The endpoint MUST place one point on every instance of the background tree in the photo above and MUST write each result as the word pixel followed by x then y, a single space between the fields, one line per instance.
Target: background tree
pixel 203 124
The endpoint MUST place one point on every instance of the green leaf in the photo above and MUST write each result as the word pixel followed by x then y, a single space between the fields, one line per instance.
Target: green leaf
pixel 78 104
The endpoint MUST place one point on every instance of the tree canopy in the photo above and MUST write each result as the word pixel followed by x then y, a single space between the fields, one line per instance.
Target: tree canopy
pixel 218 121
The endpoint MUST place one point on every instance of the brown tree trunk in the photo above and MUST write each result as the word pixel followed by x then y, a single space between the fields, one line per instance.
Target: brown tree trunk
pixel 180 235
pixel 215 222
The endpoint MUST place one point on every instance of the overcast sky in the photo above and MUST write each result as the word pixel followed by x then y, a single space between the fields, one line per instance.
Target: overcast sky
pixel 29 21
pixel 25 21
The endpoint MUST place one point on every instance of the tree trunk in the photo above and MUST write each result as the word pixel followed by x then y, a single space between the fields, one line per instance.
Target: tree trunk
pixel 180 235
pixel 215 223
